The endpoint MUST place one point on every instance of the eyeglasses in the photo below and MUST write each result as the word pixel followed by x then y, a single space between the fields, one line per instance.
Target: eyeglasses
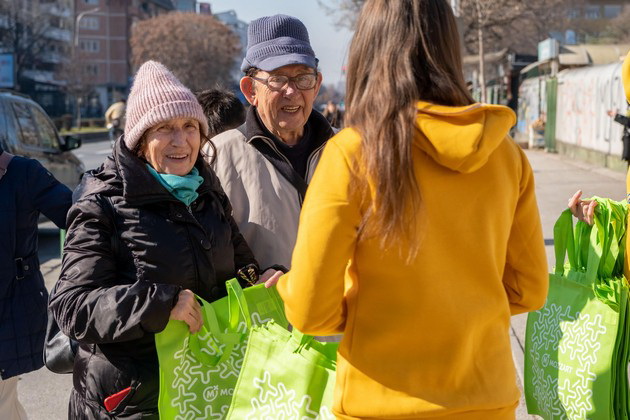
pixel 278 82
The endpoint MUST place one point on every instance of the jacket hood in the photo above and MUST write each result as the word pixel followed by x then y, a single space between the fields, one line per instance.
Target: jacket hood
pixel 462 138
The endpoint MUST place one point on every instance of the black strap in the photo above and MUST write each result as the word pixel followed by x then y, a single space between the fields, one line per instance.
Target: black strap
pixel 25 265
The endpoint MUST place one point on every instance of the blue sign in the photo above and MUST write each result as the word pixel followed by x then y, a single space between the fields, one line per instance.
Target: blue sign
pixel 7 71
pixel 548 49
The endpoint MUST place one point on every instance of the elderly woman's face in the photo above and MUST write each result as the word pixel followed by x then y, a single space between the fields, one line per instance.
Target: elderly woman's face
pixel 172 146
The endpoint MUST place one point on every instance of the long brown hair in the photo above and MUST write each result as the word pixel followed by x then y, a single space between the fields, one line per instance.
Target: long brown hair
pixel 402 51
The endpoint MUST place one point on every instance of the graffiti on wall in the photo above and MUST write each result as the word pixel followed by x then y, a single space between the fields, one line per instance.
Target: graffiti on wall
pixel 531 102
pixel 584 97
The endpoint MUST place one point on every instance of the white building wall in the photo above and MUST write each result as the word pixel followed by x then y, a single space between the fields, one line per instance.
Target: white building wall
pixel 584 97
pixel 531 102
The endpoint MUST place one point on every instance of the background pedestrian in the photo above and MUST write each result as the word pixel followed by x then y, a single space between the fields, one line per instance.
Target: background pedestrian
pixel 223 110
pixel 27 190
pixel 333 114
pixel 115 119
pixel 624 120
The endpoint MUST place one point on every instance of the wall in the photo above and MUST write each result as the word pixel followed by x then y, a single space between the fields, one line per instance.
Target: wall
pixel 531 102
pixel 584 97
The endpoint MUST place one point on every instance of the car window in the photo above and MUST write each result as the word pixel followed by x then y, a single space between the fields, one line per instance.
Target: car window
pixel 47 133
pixel 26 124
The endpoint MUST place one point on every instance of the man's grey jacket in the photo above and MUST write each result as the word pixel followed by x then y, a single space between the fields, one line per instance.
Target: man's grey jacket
pixel 265 191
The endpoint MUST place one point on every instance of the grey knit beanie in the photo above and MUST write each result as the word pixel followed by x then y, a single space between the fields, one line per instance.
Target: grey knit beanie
pixel 276 41
pixel 157 96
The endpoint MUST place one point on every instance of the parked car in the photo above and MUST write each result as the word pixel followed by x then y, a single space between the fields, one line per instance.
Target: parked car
pixel 26 130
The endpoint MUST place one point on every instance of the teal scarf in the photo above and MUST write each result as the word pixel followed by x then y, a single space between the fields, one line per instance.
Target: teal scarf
pixel 184 188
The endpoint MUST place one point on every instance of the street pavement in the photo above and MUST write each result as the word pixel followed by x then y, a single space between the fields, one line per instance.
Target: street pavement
pixel 45 395
pixel 93 152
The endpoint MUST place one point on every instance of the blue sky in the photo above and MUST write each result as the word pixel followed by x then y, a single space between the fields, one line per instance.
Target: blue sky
pixel 330 43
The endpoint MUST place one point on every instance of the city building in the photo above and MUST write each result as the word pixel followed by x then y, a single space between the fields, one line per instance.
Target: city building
pixel 502 70
pixel 589 21
pixel 73 56
pixel 204 8
pixel 37 37
pixel 239 27
pixel 102 51
pixel 185 5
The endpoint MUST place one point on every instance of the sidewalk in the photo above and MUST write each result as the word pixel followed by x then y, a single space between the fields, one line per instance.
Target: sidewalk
pixel 45 395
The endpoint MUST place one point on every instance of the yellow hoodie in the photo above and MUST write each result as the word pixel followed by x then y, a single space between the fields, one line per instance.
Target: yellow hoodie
pixel 428 339
pixel 625 76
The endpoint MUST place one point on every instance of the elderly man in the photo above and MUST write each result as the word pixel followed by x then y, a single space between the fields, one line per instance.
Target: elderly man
pixel 265 164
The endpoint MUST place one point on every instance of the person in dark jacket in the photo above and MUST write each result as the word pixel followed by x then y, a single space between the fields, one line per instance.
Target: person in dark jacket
pixel 151 227
pixel 333 114
pixel 624 120
pixel 26 190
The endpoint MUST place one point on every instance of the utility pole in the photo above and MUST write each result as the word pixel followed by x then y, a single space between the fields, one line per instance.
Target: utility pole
pixel 75 45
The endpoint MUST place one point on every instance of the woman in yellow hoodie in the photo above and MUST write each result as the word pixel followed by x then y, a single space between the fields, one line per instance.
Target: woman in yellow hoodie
pixel 420 235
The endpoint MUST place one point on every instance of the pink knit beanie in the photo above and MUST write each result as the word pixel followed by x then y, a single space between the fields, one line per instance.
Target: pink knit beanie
pixel 156 96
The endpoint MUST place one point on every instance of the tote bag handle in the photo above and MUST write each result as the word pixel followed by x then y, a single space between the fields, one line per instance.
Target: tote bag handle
pixel 564 241
pixel 237 304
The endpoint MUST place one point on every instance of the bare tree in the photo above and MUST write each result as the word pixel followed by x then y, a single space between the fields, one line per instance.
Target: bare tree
pixel 492 25
pixel 199 49
pixel 619 28
pixel 537 20
pixel 79 84
pixel 23 32
pixel 345 12
pixel 485 18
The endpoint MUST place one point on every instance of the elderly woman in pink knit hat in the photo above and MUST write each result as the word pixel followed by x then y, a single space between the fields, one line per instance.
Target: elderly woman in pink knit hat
pixel 150 228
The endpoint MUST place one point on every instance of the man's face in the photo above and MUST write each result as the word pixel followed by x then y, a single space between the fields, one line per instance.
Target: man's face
pixel 284 112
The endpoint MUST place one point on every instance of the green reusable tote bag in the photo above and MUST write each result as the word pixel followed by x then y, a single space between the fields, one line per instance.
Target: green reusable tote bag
pixel 198 372
pixel 285 376
pixel 576 349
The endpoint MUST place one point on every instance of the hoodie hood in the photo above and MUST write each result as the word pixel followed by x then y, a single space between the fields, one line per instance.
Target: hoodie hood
pixel 462 138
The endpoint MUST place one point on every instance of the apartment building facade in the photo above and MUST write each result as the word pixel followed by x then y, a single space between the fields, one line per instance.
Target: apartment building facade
pixel 36 35
pixel 102 51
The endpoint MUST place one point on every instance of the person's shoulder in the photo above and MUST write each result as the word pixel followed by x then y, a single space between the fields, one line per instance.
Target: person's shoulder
pixel 231 144
pixel 229 138
pixel 511 147
pixel 31 167
pixel 348 141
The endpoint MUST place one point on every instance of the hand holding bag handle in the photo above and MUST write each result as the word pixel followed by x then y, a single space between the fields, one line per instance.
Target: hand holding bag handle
pixel 603 246
pixel 565 245
pixel 564 242
pixel 237 305
pixel 211 326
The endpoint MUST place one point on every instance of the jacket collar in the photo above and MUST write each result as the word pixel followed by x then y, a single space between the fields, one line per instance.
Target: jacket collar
pixel 320 129
pixel 140 187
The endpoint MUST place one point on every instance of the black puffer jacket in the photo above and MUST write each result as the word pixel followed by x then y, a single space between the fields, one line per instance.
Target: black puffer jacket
pixel 113 296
